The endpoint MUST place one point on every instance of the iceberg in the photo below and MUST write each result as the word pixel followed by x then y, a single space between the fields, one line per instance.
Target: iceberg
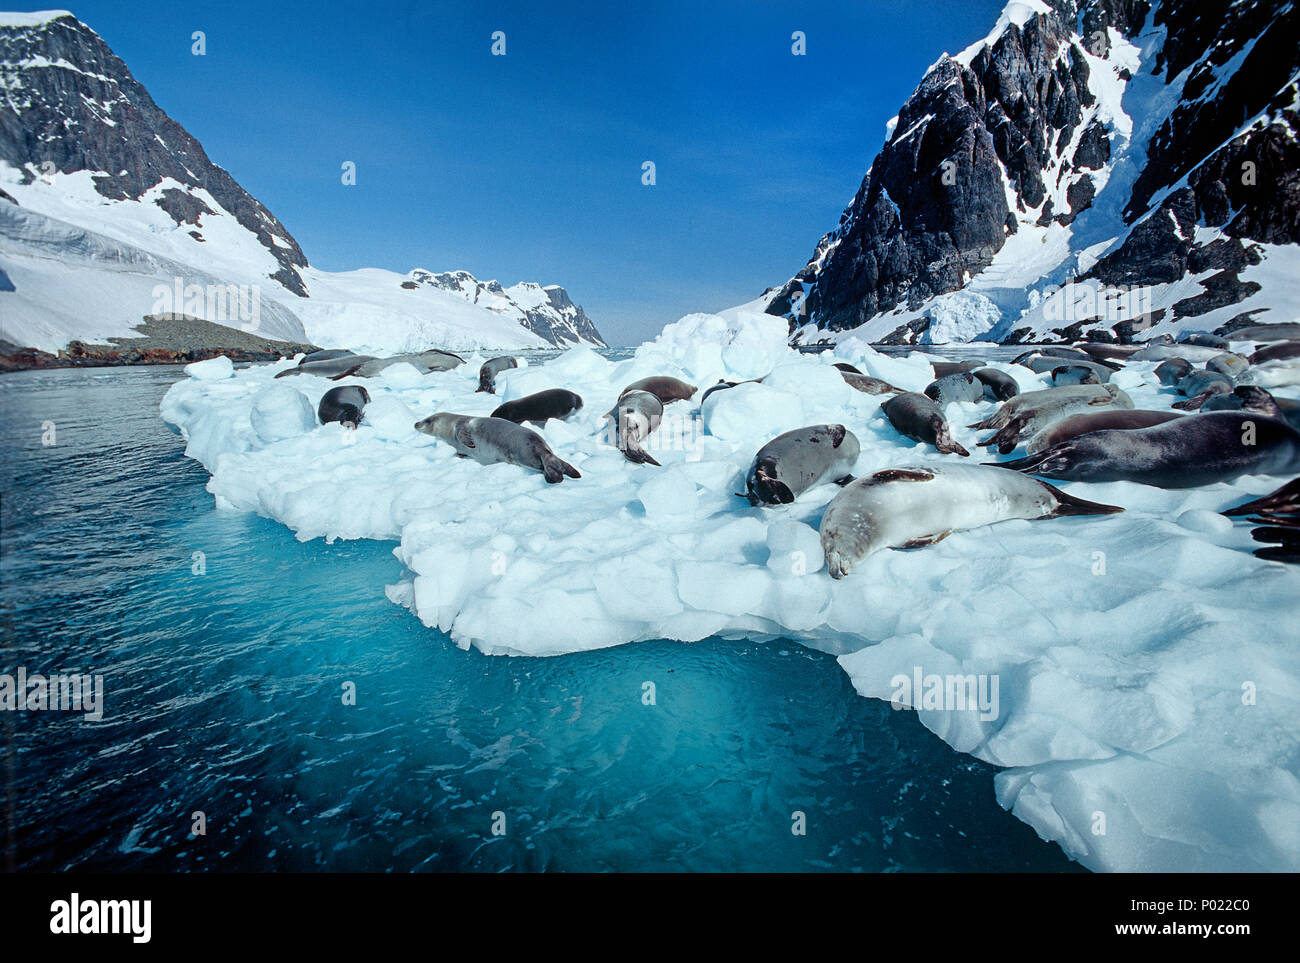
pixel 1145 665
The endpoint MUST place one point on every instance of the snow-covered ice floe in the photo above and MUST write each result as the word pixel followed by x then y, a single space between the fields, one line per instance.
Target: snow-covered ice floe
pixel 1138 674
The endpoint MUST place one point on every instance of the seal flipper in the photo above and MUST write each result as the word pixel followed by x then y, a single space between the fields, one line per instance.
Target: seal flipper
pixel 340 377
pixel 1193 403
pixel 1007 437
pixel 1029 464
pixel 462 436
pixel 902 474
pixel 1287 536
pixel 1279 553
pixel 555 468
pixel 925 540
pixel 1070 505
pixel 1283 501
pixel 995 420
pixel 945 442
pixel 1253 398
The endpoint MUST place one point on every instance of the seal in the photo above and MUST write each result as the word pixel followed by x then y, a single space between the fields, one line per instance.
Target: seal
pixel 915 506
pixel 1080 373
pixel 1027 414
pixel 919 418
pixel 487 373
pixel 492 440
pixel 790 464
pixel 1279 513
pixel 1288 331
pixel 999 385
pixel 666 389
pixel 1120 419
pixel 1279 351
pixel 724 385
pixel 1099 350
pixel 1185 453
pixel 1204 339
pixel 1273 374
pixel 867 384
pixel 1051 351
pixel 1231 366
pixel 1200 387
pixel 1173 370
pixel 962 386
pixel 638 413
pixel 1163 352
pixel 539 406
pixel 339 366
pixel 944 368
pixel 423 361
pixel 1254 398
pixel 344 404
pixel 326 354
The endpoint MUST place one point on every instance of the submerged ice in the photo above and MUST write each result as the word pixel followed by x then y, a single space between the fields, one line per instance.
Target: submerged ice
pixel 1146 664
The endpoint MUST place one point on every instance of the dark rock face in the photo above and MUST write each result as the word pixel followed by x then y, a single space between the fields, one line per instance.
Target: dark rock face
pixel 912 233
pixel 121 135
pixel 932 211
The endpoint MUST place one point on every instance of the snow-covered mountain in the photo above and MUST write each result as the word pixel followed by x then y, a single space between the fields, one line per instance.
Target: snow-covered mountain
pixel 1105 168
pixel 111 211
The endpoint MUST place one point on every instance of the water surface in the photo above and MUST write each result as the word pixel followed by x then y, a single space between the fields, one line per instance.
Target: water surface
pixel 224 695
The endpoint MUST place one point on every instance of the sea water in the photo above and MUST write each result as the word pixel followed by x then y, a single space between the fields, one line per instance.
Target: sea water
pixel 267 708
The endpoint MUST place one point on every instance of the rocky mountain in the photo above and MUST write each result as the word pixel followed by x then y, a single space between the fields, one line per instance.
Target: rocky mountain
pixel 1108 168
pixel 546 311
pixel 110 212
pixel 70 104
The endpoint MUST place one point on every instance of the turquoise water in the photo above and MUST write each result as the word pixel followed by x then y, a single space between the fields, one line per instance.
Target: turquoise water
pixel 223 695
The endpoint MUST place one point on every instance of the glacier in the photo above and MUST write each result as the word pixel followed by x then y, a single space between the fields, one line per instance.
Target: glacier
pixel 1148 667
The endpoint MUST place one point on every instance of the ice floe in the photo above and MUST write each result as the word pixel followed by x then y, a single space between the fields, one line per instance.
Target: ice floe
pixel 1147 666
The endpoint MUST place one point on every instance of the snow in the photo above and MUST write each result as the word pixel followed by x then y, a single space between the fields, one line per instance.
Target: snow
pixel 1018 12
pixel 1146 662
pixel 214 369
pixel 960 316
pixel 85 267
pixel 35 19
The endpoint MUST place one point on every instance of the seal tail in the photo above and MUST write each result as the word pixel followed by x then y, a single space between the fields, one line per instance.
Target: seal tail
pixel 1285 500
pixel 1070 505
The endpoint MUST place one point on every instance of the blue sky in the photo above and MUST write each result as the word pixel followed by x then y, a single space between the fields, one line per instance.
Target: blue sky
pixel 528 166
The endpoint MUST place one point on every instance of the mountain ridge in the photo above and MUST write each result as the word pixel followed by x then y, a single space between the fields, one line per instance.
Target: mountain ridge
pixel 89 160
pixel 1054 152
